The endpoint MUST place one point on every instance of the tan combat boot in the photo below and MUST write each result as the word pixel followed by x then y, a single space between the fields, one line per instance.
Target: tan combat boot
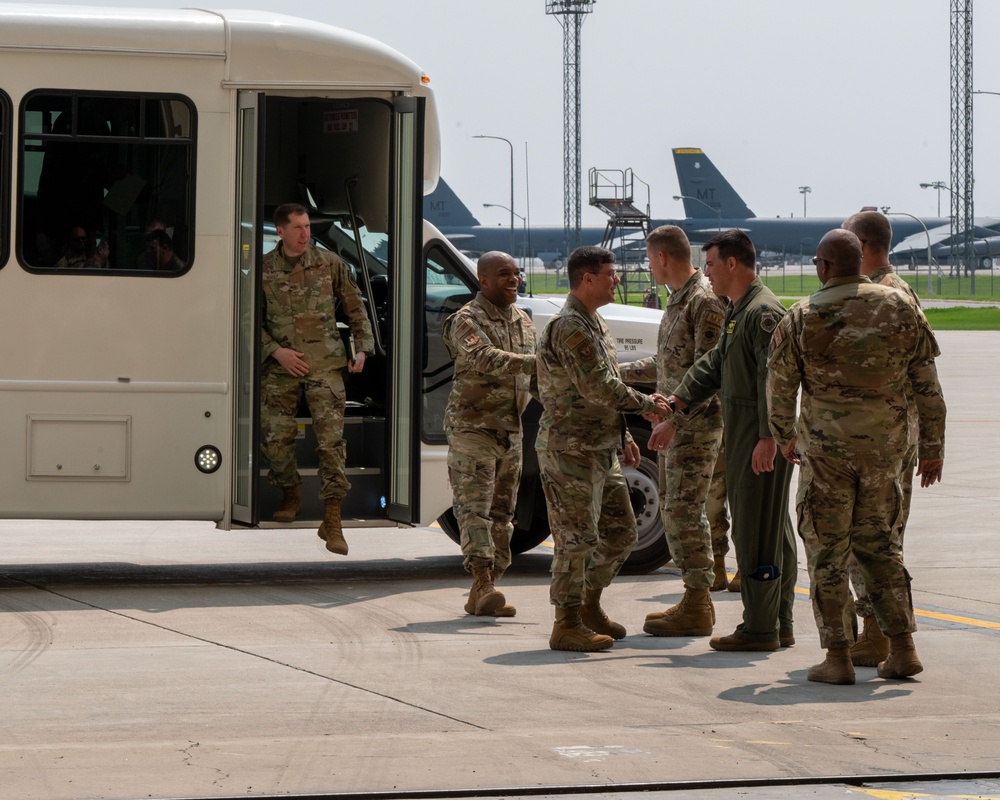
pixel 694 615
pixel 291 504
pixel 721 579
pixel 484 600
pixel 836 668
pixel 594 617
pixel 734 583
pixel 569 633
pixel 330 529
pixel 872 647
pixel 902 661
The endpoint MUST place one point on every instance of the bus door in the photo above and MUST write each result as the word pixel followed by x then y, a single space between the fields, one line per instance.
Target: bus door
pixel 406 330
pixel 246 412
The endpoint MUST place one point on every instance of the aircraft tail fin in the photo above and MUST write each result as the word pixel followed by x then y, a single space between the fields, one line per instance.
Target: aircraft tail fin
pixel 699 178
pixel 443 209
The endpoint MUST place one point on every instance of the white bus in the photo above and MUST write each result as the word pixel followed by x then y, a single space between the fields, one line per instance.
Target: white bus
pixel 142 153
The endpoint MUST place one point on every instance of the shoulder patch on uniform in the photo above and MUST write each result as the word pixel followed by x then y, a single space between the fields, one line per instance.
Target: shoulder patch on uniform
pixel 768 320
pixel 715 319
pixel 579 342
pixel 466 333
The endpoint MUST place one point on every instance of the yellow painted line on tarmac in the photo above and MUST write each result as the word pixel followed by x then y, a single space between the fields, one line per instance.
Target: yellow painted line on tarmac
pixel 889 794
pixel 920 612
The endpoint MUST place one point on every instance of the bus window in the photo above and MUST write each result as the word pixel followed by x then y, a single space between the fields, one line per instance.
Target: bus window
pixel 445 292
pixel 106 183
pixel 4 176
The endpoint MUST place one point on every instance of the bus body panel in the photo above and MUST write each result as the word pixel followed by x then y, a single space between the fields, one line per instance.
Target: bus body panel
pixel 148 360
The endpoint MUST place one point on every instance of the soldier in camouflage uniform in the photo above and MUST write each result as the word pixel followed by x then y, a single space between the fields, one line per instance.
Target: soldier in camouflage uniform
pixel 757 482
pixel 875 233
pixel 854 347
pixel 691 324
pixel 301 350
pixel 580 436
pixel 493 344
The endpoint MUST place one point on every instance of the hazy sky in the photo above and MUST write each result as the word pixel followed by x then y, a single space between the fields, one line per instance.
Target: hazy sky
pixel 850 97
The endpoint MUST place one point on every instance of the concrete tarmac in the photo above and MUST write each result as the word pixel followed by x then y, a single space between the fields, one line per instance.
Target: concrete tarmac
pixel 169 659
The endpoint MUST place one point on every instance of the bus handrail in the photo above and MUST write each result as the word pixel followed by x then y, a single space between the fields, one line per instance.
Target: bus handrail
pixel 349 185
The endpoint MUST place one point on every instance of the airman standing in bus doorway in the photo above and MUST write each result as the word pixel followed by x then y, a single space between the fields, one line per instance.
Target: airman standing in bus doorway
pixel 691 325
pixel 756 480
pixel 856 349
pixel 493 344
pixel 301 350
pixel 582 435
pixel 874 231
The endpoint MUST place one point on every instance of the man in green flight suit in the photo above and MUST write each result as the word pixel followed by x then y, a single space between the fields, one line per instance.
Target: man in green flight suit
pixel 757 481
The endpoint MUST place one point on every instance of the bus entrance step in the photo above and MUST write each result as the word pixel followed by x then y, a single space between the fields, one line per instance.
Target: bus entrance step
pixel 363 500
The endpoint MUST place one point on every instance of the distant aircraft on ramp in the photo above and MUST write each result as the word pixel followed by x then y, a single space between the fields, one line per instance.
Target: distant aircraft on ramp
pixel 704 189
pixel 444 210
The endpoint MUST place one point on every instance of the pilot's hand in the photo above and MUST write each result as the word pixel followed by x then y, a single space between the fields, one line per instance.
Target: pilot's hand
pixel 358 363
pixel 292 361
pixel 763 456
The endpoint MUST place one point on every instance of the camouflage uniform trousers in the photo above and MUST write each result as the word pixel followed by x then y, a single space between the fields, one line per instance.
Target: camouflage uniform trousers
pixel 593 526
pixel 484 468
pixel 863 605
pixel 686 470
pixel 715 506
pixel 326 399
pixel 853 506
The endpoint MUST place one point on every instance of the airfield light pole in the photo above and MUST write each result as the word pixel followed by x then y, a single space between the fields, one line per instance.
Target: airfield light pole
pixel 939 185
pixel 804 190
pixel 718 211
pixel 511 209
pixel 927 233
pixel 524 222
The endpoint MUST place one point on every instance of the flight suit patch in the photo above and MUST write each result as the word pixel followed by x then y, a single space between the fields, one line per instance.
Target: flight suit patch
pixel 731 327
pixel 768 321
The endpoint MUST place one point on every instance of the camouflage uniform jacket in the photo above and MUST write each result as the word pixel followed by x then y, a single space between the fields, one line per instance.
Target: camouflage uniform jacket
pixel 580 385
pixel 690 327
pixel 854 346
pixel 886 277
pixel 494 353
pixel 299 308
pixel 736 367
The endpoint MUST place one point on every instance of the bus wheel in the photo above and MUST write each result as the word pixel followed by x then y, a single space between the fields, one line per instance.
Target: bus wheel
pixel 520 542
pixel 651 550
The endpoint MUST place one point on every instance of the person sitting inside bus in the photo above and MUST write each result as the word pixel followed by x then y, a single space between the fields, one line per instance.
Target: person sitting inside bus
pixel 160 253
pixel 98 258
pixel 75 254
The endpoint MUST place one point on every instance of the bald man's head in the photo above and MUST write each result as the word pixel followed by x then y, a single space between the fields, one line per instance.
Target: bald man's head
pixel 840 250
pixel 499 278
